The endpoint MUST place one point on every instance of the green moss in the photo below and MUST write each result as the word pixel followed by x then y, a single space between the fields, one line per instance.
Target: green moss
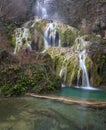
pixel 72 70
pixel 68 35
pixel 68 38
pixel 8 28
pixel 96 79
pixel 101 69
pixel 12 40
pixel 40 26
pixel 61 60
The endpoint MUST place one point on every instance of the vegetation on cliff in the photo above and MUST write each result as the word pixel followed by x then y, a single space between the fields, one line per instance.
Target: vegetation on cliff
pixel 17 78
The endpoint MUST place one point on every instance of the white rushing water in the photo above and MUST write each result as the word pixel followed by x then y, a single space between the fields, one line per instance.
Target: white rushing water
pixel 82 58
pixel 41 10
pixel 22 39
pixel 63 70
pixel 63 74
pixel 45 9
pixel 82 64
pixel 51 35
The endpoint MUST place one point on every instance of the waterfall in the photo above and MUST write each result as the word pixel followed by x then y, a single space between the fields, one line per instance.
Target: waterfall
pixel 51 35
pixel 22 39
pixel 41 10
pixel 82 64
pixel 82 58
pixel 46 9
pixel 63 72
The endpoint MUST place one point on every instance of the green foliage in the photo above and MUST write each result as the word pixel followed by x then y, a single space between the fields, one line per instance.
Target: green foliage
pixel 12 40
pixel 68 37
pixel 8 28
pixel 37 78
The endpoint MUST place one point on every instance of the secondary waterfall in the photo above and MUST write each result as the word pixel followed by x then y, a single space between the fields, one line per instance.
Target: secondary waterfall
pixel 51 35
pixel 82 58
pixel 63 70
pixel 63 73
pixel 82 64
pixel 22 39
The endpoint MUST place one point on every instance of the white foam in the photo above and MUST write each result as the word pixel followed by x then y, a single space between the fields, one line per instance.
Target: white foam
pixel 87 88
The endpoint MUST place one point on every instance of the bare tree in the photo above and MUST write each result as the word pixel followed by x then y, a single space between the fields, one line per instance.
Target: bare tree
pixel 12 9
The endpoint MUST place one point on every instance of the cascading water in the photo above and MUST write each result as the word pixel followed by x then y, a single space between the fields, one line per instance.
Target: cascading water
pixel 51 36
pixel 63 72
pixel 22 38
pixel 82 58
pixel 23 35
pixel 46 9
pixel 41 10
pixel 82 66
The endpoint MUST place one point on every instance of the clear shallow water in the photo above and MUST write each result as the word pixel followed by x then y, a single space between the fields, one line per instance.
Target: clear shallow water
pixel 82 94
pixel 29 113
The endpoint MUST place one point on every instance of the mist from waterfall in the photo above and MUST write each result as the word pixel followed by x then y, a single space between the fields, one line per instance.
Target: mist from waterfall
pixel 41 10
pixel 47 9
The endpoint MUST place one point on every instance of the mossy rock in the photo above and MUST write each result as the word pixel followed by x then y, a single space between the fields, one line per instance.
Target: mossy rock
pixel 68 60
pixel 63 59
pixel 68 35
pixel 37 28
